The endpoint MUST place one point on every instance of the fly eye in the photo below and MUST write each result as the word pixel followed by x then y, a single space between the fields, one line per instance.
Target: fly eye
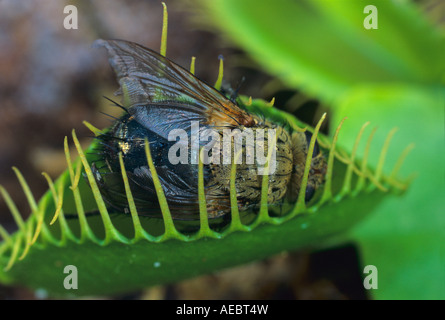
pixel 308 141
pixel 309 193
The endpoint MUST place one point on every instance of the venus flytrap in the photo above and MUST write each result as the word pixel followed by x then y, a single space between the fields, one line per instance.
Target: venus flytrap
pixel 125 251
pixel 95 256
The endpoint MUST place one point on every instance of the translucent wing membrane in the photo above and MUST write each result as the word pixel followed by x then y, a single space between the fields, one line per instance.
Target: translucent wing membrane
pixel 147 78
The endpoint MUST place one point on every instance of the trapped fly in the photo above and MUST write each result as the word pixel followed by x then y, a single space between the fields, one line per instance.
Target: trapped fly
pixel 174 110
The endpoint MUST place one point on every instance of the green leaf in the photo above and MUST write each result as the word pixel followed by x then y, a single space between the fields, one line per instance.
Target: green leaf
pixel 323 48
pixel 414 224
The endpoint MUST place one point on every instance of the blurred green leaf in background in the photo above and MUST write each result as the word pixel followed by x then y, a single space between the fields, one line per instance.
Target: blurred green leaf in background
pixel 392 76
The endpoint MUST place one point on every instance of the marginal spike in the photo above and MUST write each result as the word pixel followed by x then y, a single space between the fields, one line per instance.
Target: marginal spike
pixel 58 197
pixel 348 176
pixel 170 230
pixel 301 204
pixel 59 205
pixel 41 228
pixel 296 127
pixel 28 242
pixel 4 234
pixel 264 210
pixel 111 233
pixel 400 161
pixel 235 223
pixel 25 229
pixel 58 201
pixel 13 209
pixel 192 65
pixel 7 241
pixel 218 82
pixel 398 184
pixel 38 227
pixel 379 170
pixel 34 209
pixel 362 179
pixel 204 229
pixel 271 103
pixel 327 193
pixel 164 30
pixel 377 183
pixel 85 230
pixel 76 177
pixel 32 202
pixel 344 158
pixel 93 129
pixel 14 254
pixel 139 232
pixel 41 216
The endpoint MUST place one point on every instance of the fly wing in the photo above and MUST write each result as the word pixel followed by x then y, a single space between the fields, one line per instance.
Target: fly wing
pixel 154 88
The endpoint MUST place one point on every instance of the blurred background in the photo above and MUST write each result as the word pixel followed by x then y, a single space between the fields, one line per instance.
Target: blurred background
pixel 51 79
